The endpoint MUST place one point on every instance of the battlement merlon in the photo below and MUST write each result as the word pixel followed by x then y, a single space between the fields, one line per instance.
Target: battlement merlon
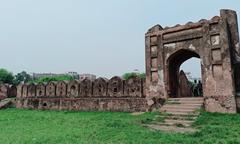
pixel 229 15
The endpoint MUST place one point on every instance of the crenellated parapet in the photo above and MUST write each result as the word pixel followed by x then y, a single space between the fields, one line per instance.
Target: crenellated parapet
pixel 86 88
pixel 100 87
pixel 51 89
pixel 7 91
pixel 116 87
pixel 114 94
pixel 4 88
pixel 61 88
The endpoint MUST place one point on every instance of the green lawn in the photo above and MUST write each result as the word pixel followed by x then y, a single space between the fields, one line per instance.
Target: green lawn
pixel 59 127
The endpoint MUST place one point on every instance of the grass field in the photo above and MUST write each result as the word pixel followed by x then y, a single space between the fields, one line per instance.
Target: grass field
pixel 53 127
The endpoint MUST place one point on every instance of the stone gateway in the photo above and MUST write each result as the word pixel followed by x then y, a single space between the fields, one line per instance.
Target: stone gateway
pixel 215 42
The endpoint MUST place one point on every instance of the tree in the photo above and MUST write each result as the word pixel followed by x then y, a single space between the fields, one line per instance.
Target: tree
pixel 6 76
pixel 22 77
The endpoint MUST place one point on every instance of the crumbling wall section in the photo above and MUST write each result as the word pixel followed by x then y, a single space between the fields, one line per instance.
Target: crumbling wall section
pixel 4 88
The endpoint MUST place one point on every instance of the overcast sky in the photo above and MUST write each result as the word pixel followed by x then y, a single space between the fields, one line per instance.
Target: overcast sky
pixel 103 37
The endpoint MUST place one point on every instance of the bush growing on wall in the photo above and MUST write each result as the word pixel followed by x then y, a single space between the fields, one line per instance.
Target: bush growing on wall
pixel 53 78
pixel 127 76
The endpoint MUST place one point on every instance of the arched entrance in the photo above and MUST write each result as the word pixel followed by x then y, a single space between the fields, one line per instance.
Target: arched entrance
pixel 214 41
pixel 177 86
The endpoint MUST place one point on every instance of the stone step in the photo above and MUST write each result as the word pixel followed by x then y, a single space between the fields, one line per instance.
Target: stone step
pixel 184 102
pixel 165 109
pixel 171 129
pixel 187 99
pixel 181 106
pixel 187 122
pixel 179 113
pixel 169 110
pixel 178 117
pixel 173 123
pixel 183 113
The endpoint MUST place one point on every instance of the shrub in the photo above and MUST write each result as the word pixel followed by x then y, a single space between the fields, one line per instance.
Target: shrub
pixel 52 78
pixel 127 76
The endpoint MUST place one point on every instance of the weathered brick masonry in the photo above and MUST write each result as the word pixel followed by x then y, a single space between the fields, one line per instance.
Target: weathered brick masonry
pixel 7 91
pixel 215 42
pixel 100 95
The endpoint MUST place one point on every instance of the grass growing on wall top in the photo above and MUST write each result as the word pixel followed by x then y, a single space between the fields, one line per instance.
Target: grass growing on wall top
pixel 52 78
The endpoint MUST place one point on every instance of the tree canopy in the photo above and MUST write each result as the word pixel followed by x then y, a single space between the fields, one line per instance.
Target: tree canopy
pixel 6 76
pixel 22 77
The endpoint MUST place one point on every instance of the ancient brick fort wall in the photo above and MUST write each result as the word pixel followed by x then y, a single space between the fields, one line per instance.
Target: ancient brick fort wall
pixel 99 95
pixel 7 91
pixel 215 42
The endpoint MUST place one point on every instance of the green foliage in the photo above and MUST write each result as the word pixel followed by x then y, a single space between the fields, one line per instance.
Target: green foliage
pixel 127 76
pixel 60 127
pixel 6 76
pixel 22 77
pixel 142 75
pixel 52 78
pixel 191 84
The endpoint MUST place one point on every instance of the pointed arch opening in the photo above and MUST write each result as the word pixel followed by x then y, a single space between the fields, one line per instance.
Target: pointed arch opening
pixel 179 83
